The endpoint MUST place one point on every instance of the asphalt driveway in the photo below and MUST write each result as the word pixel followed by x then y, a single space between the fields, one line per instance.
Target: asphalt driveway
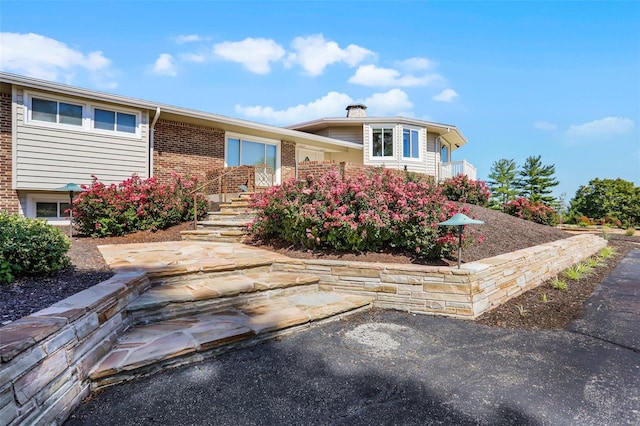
pixel 395 368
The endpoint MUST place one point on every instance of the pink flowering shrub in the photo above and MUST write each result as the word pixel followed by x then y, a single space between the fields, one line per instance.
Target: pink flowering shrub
pixel 461 188
pixel 535 212
pixel 135 204
pixel 360 214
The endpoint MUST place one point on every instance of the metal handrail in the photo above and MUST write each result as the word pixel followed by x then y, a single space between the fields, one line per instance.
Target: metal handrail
pixel 203 185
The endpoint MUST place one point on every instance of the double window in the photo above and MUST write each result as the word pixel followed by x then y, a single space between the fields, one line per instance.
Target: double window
pixel 114 121
pixel 87 117
pixel 410 143
pixel 56 112
pixel 244 152
pixel 382 142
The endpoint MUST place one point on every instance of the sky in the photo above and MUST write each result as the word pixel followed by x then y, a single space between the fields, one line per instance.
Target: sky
pixel 555 79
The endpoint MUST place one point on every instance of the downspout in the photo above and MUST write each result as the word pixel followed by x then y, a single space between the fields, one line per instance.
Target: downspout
pixel 151 140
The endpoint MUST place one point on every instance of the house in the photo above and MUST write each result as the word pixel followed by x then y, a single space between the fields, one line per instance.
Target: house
pixel 52 134
pixel 393 142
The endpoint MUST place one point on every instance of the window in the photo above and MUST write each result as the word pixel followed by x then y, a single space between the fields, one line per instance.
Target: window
pixel 52 209
pixel 114 121
pixel 444 155
pixel 410 143
pixel 56 112
pixel 382 142
pixel 250 153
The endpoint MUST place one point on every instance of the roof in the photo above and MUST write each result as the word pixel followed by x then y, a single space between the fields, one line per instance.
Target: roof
pixel 448 132
pixel 228 123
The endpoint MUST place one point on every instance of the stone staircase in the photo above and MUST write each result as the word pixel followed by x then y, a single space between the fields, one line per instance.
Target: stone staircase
pixel 227 225
pixel 195 312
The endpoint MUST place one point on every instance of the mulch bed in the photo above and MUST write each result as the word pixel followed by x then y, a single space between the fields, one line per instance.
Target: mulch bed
pixel 501 233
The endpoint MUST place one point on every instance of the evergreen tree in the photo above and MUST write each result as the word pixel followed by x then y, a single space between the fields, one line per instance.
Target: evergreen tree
pixel 502 182
pixel 535 181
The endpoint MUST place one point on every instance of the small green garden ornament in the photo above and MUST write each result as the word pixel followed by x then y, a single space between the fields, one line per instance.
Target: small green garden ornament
pixel 460 220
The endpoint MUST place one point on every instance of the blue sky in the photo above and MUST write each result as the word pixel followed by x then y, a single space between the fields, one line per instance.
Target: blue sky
pixel 556 79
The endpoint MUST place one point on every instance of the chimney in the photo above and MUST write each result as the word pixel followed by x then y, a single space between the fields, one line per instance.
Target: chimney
pixel 356 110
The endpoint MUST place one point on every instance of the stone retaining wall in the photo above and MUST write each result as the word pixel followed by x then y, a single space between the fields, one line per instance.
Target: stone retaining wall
pixel 45 358
pixel 462 293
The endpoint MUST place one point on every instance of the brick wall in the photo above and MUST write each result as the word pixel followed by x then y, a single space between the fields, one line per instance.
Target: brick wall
pixel 232 178
pixel 346 170
pixel 8 197
pixel 186 149
pixel 288 160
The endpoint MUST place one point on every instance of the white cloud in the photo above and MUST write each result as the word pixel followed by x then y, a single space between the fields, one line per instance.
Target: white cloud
pixel 330 105
pixel 416 64
pixel 255 54
pixel 393 102
pixel 333 104
pixel 601 129
pixel 544 125
pixel 371 75
pixel 446 95
pixel 189 38
pixel 165 65
pixel 38 56
pixel 192 57
pixel 314 53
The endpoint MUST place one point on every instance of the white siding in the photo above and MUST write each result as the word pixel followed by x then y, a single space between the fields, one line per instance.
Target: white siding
pixel 349 134
pixel 49 157
pixel 433 155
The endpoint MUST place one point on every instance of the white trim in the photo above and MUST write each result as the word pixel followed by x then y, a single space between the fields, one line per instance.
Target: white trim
pixel 422 141
pixel 394 136
pixel 34 197
pixel 88 108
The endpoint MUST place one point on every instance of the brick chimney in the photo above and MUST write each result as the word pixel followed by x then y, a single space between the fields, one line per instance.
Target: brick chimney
pixel 356 110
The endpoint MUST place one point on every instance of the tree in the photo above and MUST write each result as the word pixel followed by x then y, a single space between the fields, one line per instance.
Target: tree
pixel 608 200
pixel 535 181
pixel 502 182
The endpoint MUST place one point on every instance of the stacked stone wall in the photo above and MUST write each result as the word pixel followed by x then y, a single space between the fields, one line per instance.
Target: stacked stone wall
pixel 462 293
pixel 46 357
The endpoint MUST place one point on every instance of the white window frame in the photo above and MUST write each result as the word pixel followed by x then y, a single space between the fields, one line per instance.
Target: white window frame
pixel 28 116
pixel 394 137
pixel 34 198
pixel 420 143
pixel 87 115
pixel 115 110
pixel 250 138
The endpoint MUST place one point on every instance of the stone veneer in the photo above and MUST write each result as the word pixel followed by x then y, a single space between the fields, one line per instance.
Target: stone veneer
pixel 460 293
pixel 46 357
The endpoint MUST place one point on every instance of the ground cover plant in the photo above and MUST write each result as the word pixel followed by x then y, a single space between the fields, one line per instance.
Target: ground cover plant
pixel 30 246
pixel 136 204
pixel 365 213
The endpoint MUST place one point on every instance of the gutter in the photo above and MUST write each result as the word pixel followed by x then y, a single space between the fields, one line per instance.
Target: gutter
pixel 152 131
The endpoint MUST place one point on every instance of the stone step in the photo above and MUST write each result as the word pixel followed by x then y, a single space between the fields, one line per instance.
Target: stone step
pixel 214 293
pixel 224 222
pixel 214 236
pixel 149 348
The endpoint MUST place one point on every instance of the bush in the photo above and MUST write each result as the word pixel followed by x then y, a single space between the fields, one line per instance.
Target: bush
pixel 461 188
pixel 30 246
pixel 535 212
pixel 135 204
pixel 365 213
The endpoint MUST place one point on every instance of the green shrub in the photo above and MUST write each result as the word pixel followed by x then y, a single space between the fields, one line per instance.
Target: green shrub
pixel 30 246
pixel 365 213
pixel 135 204
pixel 629 232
